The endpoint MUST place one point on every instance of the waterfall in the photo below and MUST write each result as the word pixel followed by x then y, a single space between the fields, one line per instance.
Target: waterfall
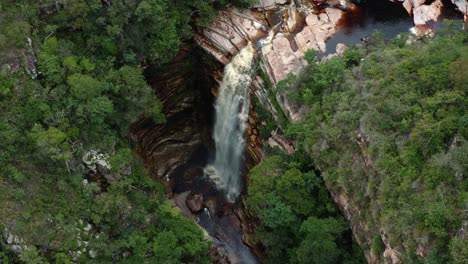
pixel 232 112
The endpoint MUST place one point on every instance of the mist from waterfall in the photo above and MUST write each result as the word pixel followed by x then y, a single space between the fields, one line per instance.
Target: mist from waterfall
pixel 232 112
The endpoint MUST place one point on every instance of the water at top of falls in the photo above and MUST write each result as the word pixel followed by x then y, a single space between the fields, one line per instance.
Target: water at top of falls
pixel 232 112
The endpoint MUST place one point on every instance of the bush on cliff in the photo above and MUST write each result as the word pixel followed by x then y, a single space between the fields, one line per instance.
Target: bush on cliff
pixel 390 132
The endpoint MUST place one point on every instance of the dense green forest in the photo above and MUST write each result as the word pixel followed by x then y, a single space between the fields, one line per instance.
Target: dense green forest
pixel 71 83
pixel 387 125
pixel 299 223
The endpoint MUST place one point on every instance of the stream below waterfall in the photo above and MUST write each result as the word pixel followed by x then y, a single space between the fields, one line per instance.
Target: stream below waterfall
pixel 216 174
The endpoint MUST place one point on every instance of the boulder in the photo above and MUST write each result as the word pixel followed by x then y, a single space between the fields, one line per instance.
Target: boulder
pixel 281 142
pixel 410 4
pixel 218 255
pixel 340 49
pixel 270 4
pixel 293 111
pixel 212 205
pixel 281 59
pixel 194 202
pixel 295 19
pixel 426 13
pixel 179 200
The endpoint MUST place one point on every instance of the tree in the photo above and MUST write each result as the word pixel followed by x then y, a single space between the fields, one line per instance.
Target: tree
pixel 318 245
pixel 52 142
pixel 31 255
pixel 132 97
pixel 84 87
pixel 277 214
pixel 166 248
pixel 293 186
pixel 262 182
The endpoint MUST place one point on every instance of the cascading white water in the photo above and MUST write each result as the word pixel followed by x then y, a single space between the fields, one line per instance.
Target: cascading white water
pixel 232 111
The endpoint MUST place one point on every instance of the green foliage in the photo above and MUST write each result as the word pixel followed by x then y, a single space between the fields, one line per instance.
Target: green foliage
pixel 318 245
pixel 267 122
pixel 165 248
pixel 121 159
pixel 132 96
pixel 378 246
pixel 459 250
pixel 84 87
pixel 389 130
pixel 277 213
pixel 352 57
pixel 90 57
pixel 297 217
pixel 52 142
pixel 31 255
pixel 308 88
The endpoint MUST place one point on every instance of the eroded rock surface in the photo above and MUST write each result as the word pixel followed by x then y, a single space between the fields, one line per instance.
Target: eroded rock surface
pixel 298 29
pixel 195 202
pixel 230 32
pixel 165 147
pixel 291 29
pixel 423 14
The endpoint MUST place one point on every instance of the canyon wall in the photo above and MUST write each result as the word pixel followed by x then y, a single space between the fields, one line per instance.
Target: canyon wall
pixel 184 92
pixel 283 31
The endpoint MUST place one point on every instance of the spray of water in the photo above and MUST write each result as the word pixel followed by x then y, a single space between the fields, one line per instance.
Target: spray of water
pixel 232 111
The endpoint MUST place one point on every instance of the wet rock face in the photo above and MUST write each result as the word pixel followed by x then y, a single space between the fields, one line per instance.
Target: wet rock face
pixel 195 202
pixel 231 31
pixel 292 31
pixel 254 152
pixel 286 30
pixel 187 104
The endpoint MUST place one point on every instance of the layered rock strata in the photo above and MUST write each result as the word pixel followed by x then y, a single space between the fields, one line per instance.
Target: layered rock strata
pixel 187 107
pixel 283 32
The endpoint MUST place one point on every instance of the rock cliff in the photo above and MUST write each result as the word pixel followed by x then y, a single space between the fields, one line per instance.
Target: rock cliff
pixel 283 31
pixel 185 102
pixel 176 151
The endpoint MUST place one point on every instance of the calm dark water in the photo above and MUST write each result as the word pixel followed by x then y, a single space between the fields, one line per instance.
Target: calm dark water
pixel 383 16
pixel 378 16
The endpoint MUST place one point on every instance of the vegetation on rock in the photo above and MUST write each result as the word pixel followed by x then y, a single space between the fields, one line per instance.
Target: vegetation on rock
pixel 386 127
pixel 71 84
pixel 299 223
